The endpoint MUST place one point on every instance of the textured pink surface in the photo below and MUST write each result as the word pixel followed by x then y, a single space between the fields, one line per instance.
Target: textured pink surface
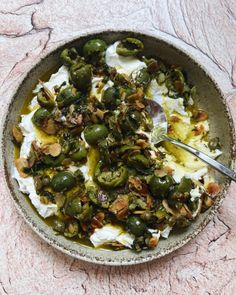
pixel 31 28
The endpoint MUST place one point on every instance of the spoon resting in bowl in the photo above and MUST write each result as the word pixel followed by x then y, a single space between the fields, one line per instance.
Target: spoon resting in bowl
pixel 159 134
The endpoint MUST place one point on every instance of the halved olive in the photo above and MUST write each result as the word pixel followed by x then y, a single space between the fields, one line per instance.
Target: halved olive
pixel 129 47
pixel 94 133
pixel 69 56
pixel 63 181
pixel 136 226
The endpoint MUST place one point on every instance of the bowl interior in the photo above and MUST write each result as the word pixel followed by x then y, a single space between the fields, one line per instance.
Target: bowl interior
pixel 209 98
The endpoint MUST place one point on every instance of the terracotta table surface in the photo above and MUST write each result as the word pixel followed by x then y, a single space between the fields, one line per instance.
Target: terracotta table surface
pixel 31 28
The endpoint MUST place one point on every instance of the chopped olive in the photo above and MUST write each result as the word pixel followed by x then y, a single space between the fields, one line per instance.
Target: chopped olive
pixel 69 56
pixel 110 98
pixel 81 76
pixel 73 207
pixel 111 179
pixel 59 226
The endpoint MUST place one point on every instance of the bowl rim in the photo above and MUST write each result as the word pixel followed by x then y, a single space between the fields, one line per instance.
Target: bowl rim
pixel 144 258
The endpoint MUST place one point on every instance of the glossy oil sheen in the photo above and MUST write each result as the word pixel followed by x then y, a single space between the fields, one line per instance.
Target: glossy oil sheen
pixel 209 98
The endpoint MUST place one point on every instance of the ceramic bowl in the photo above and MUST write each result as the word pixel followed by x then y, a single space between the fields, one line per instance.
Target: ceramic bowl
pixel 209 98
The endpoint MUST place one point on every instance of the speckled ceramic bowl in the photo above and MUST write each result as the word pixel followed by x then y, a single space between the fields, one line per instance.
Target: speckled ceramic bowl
pixel 210 99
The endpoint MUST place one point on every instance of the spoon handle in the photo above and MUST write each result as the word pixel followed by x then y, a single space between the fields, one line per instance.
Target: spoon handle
pixel 215 164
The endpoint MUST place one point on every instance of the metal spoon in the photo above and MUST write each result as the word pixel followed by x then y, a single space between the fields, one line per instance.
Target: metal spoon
pixel 160 134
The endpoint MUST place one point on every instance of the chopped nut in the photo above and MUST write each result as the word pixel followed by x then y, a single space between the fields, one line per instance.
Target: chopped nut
pixel 213 188
pixel 50 127
pixel 120 206
pixel 53 149
pixel 200 115
pixel 174 119
pixel 21 163
pixel 137 95
pixel 198 130
pixel 152 243
pixel 135 182
pixel 97 220
pixel 17 134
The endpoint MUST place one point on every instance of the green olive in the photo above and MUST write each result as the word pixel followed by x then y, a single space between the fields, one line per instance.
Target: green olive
pixel 63 181
pixel 185 185
pixel 214 144
pixel 45 98
pixel 132 121
pixel 40 117
pixel 69 56
pixel 129 47
pixel 95 133
pixel 80 154
pixel 136 226
pixel 67 96
pixel 110 97
pixel 111 179
pixel 143 78
pixel 94 46
pixel 81 76
pixel 73 207
pixel 159 186
pixel 53 161
pixel 72 229
pixel 59 226
pixel 138 161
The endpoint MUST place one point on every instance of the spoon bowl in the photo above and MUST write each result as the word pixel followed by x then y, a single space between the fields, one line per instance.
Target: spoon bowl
pixel 159 134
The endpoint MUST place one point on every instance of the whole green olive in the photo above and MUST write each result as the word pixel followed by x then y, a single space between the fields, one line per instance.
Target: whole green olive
pixel 138 161
pixel 110 97
pixel 95 133
pixel 81 76
pixel 129 47
pixel 111 179
pixel 73 207
pixel 159 186
pixel 40 116
pixel 143 78
pixel 69 56
pixel 136 226
pixel 63 181
pixel 94 46
pixel 67 96
pixel 59 226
